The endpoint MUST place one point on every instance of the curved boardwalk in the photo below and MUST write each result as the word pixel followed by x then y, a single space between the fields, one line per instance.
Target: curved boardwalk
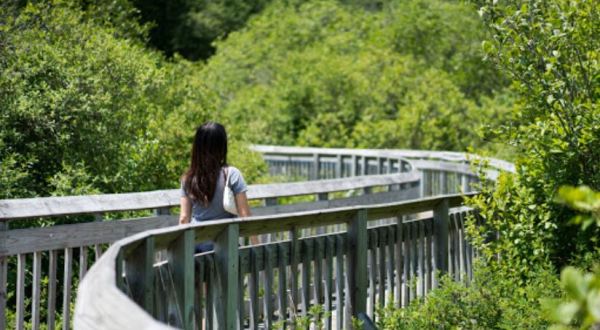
pixel 369 235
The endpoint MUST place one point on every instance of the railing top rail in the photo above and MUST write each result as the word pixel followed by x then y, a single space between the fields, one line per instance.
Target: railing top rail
pixel 408 155
pixel 14 209
pixel 256 225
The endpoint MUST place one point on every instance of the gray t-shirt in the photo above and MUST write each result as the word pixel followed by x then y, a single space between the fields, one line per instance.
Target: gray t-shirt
pixel 215 209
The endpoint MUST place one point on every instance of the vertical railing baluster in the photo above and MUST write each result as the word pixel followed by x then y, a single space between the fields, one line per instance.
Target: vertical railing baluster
pixel 372 270
pixel 20 321
pixel 316 166
pixel 36 290
pixel 294 254
pixel 139 273
pixel 339 281
pixel 67 288
pixel 306 253
pixel 440 230
pixel 382 242
pixel 328 290
pixel 181 259
pixel 268 291
pixel 391 264
pixel 83 261
pixel 283 257
pixel 422 257
pixel 51 289
pixel 428 255
pixel 318 273
pixel 253 289
pixel 227 265
pixel 399 260
pixel 356 250
pixel 406 264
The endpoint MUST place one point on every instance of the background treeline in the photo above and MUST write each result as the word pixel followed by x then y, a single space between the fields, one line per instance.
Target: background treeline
pixel 89 105
pixel 104 96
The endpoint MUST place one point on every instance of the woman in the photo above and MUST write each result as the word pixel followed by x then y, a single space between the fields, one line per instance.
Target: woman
pixel 203 183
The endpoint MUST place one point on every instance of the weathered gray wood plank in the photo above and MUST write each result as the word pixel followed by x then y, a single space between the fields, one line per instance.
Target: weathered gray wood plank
pixel 268 286
pixel 68 271
pixel 15 209
pixel 36 290
pixel 440 223
pixel 140 273
pixel 52 265
pixel 20 318
pixel 77 235
pixel 340 245
pixel 328 273
pixel 253 287
pixel 227 264
pixel 181 260
pixel 372 271
pixel 356 249
pixel 282 281
pixel 382 242
pixel 83 261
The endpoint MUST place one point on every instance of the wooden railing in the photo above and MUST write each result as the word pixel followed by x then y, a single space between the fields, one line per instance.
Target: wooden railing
pixel 347 272
pixel 59 256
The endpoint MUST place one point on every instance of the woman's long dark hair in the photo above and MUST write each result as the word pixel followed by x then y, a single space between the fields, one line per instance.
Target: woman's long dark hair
pixel 209 155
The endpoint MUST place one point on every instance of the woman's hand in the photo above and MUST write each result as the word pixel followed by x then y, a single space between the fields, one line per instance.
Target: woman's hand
pixel 185 213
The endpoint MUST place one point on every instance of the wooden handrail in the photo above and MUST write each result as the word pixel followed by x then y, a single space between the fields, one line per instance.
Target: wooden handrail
pixel 99 297
pixel 14 209
pixel 407 155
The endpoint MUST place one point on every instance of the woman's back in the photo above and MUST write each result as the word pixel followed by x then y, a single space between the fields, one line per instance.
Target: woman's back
pixel 214 210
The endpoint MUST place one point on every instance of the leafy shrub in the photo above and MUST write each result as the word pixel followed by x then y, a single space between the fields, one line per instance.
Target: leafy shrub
pixel 490 301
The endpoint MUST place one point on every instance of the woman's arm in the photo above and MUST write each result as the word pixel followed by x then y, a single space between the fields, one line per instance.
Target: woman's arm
pixel 185 214
pixel 241 202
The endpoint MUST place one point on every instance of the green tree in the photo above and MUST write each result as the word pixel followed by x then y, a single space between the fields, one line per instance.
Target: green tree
pixel 551 52
pixel 338 75
pixel 189 27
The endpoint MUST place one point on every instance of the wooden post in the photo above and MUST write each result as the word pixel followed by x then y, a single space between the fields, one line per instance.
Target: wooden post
pixel 339 166
pixel 181 259
pixel 227 263
pixel 140 274
pixel 440 232
pixel 356 250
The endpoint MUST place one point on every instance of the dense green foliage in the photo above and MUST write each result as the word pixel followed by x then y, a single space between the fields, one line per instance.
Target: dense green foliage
pixel 87 106
pixel 488 302
pixel 189 27
pixel 551 52
pixel 328 74
pixel 86 110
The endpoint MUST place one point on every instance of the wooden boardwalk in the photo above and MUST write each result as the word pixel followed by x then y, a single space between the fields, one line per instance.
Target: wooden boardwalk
pixel 309 270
